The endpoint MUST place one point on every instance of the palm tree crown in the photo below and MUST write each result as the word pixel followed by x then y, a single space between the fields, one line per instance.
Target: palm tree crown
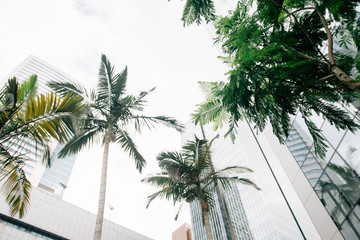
pixel 110 114
pixel 24 116
pixel 190 176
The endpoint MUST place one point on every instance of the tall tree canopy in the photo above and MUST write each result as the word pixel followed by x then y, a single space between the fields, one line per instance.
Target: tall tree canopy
pixel 111 114
pixel 289 56
pixel 26 117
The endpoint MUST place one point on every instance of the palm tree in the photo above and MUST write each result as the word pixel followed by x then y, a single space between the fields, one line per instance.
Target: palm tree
pixel 198 10
pixel 190 176
pixel 213 110
pixel 23 116
pixel 110 113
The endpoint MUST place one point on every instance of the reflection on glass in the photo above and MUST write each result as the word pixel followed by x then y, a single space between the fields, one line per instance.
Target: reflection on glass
pixel 345 179
pixel 357 210
pixel 302 130
pixel 312 169
pixel 317 120
pixel 349 149
pixel 349 230
pixel 297 146
pixel 331 198
pixel 333 136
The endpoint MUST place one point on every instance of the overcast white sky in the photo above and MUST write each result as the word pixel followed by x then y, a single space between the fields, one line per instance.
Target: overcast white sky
pixel 148 37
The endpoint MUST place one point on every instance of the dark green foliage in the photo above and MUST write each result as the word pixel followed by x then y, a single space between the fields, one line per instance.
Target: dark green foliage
pixel 279 66
pixel 189 175
pixel 195 11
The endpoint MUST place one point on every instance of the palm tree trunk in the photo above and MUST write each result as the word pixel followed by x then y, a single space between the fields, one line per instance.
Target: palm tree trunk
pixel 207 223
pixel 101 204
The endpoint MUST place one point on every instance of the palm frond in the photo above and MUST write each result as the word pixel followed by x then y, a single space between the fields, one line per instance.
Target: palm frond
pixel 28 89
pixel 47 116
pixel 196 10
pixel 158 180
pixel 141 121
pixel 247 181
pixel 119 83
pixel 129 146
pixel 80 141
pixel 164 193
pixel 178 211
pixel 16 187
pixel 189 175
pixel 104 90
pixel 169 159
pixel 64 88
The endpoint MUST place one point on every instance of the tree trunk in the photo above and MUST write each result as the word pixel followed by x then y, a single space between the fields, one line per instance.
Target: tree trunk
pixel 345 78
pixel 207 223
pixel 101 204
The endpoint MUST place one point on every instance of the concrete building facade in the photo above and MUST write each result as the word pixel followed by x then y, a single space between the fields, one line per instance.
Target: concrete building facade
pixel 49 217
pixel 182 233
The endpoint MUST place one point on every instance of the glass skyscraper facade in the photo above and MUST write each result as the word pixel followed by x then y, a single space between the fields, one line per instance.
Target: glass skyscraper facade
pixel 253 214
pixel 335 178
pixel 55 179
pixel 328 188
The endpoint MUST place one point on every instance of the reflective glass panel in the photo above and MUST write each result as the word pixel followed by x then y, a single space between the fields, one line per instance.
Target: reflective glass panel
pixel 332 199
pixel 312 169
pixel 332 135
pixel 344 178
pixel 317 120
pixel 349 149
pixel 349 230
pixel 303 131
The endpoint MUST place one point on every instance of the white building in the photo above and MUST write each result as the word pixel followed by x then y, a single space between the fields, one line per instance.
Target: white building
pixel 329 188
pixel 254 214
pixel 48 216
pixel 52 218
pixel 35 169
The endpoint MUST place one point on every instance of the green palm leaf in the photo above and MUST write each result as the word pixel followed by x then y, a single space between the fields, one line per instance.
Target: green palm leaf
pixel 24 116
pixel 189 175
pixel 129 146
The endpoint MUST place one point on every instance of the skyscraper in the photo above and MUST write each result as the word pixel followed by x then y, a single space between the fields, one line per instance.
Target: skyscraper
pixel 55 179
pixel 328 187
pixel 254 214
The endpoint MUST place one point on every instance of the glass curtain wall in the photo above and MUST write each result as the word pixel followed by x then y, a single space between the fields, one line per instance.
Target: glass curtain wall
pixel 335 179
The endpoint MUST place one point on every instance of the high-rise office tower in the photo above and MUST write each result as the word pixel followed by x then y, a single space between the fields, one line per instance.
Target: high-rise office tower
pixel 329 188
pixel 243 212
pixel 54 179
